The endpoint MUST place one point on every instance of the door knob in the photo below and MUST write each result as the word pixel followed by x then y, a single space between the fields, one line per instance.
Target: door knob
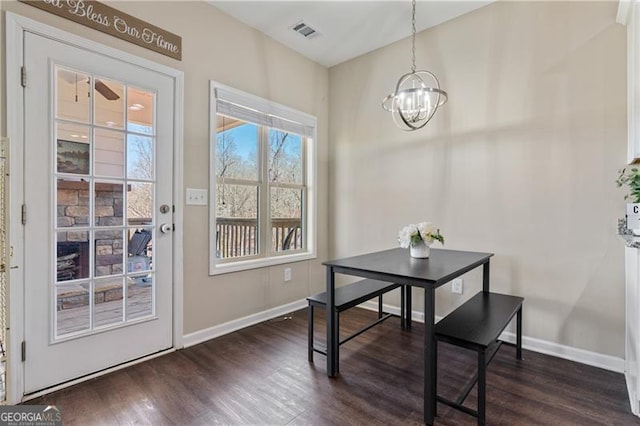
pixel 165 228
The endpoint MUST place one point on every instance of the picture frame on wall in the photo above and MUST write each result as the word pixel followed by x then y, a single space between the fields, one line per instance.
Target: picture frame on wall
pixel 73 157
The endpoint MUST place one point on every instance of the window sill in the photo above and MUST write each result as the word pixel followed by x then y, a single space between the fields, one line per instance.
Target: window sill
pixel 245 265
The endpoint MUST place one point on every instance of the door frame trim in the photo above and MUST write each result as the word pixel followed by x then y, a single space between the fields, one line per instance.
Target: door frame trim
pixel 16 26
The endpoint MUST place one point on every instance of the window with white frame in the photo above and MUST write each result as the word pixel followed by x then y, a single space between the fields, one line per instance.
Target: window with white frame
pixel 262 182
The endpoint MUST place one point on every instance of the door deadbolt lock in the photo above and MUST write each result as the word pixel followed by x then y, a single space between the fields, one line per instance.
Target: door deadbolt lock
pixel 164 208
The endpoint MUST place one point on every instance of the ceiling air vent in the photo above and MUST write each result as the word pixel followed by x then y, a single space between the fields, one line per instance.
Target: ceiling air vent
pixel 305 30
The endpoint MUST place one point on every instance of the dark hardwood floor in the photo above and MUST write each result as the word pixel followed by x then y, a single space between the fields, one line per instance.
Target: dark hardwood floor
pixel 260 375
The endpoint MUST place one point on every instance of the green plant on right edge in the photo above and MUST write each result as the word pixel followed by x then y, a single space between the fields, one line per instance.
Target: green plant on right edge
pixel 630 178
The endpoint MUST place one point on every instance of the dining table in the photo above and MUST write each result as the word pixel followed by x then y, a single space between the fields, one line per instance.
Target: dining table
pixel 396 265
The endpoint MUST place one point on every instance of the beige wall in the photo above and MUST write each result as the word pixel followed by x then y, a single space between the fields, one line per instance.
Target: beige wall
pixel 521 162
pixel 217 47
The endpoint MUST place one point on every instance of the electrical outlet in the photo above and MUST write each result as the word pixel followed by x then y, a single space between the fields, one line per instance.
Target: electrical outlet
pixel 287 274
pixel 196 197
pixel 456 286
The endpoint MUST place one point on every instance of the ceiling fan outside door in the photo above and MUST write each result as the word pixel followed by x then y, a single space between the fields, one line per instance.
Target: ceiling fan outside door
pixel 105 91
pixel 100 86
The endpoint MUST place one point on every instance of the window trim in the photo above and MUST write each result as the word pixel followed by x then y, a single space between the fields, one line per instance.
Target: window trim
pixel 309 211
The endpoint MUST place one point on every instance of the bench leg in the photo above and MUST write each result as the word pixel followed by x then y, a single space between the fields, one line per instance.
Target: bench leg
pixel 379 306
pixel 519 334
pixel 482 387
pixel 310 340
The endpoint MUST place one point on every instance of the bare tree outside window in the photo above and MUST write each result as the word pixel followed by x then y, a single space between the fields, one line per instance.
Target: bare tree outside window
pixel 285 157
pixel 238 188
pixel 286 181
pixel 140 167
pixel 235 201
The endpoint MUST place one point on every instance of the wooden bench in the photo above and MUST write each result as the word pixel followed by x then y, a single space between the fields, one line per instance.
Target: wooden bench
pixel 347 297
pixel 476 325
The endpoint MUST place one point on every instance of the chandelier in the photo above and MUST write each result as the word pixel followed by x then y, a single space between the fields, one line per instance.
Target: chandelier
pixel 414 102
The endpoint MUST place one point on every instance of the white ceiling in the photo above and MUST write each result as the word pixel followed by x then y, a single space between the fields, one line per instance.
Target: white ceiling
pixel 347 28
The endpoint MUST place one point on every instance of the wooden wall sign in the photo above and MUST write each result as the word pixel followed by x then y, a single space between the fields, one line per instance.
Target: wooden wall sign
pixel 108 20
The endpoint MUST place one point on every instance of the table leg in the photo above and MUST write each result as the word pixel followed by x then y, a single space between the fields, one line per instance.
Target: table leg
pixel 429 356
pixel 332 332
pixel 519 334
pixel 310 332
pixel 408 308
pixel 485 277
pixel 482 388
pixel 403 311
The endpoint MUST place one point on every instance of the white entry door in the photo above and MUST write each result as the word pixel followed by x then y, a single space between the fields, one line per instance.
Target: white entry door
pixel 98 190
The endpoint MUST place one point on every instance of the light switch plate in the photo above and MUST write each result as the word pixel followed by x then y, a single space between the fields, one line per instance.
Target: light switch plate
pixel 196 197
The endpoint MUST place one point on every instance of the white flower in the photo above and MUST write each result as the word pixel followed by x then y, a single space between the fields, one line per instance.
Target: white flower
pixel 426 229
pixel 405 234
pixel 412 234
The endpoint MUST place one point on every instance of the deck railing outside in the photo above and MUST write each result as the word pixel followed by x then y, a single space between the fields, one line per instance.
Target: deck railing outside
pixel 237 237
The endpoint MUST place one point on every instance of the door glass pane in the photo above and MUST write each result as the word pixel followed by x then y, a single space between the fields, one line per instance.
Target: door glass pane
pixel 139 296
pixel 285 157
pixel 139 203
pixel 108 96
pixel 73 132
pixel 109 252
pixel 140 111
pixel 73 95
pixel 286 219
pixel 72 202
pixel 109 153
pixel 72 255
pixel 108 302
pixel 73 148
pixel 72 308
pixel 139 250
pixel 105 183
pixel 108 203
pixel 139 157
pixel 236 220
pixel 236 149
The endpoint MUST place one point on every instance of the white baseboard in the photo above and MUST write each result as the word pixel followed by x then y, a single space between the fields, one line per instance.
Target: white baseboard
pixel 582 356
pixel 391 309
pixel 237 324
pixel 595 359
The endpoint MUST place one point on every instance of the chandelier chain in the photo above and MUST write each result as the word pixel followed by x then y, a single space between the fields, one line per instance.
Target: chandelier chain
pixel 413 36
